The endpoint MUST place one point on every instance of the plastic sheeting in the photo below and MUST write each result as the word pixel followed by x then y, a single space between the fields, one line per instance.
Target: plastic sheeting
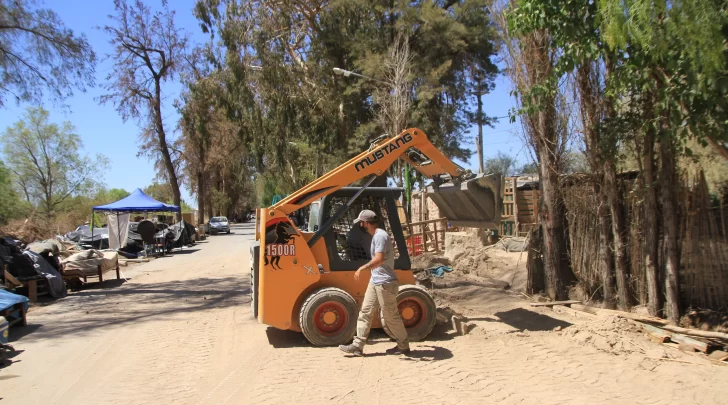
pixel 182 231
pixel 8 299
pixel 83 234
pixel 57 288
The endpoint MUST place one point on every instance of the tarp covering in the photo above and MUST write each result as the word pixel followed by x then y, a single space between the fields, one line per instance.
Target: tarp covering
pixel 182 236
pixel 56 286
pixel 19 265
pixel 83 234
pixel 8 299
pixel 98 238
pixel 137 201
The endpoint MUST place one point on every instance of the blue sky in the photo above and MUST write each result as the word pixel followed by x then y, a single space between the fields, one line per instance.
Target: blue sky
pixel 103 131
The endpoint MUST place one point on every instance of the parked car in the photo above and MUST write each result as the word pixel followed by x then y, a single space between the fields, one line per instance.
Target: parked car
pixel 219 225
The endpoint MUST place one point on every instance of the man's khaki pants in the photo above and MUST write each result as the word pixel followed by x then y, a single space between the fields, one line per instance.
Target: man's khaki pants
pixel 384 296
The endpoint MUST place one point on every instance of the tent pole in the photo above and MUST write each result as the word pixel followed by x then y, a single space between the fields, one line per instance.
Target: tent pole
pixel 184 228
pixel 118 232
pixel 92 228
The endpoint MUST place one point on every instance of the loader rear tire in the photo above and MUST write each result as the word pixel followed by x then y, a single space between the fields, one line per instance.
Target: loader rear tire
pixel 418 311
pixel 254 278
pixel 254 292
pixel 328 317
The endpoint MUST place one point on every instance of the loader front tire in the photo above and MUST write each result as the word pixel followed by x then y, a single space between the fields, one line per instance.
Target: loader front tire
pixel 328 317
pixel 418 311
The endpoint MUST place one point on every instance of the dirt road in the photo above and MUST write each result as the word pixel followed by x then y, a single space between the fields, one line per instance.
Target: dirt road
pixel 181 331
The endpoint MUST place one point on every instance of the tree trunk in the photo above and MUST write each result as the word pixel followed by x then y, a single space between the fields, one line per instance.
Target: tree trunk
pixel 605 251
pixel 200 197
pixel 618 234
pixel 544 133
pixel 166 157
pixel 208 196
pixel 555 255
pixel 534 263
pixel 590 97
pixel 670 233
pixel 651 231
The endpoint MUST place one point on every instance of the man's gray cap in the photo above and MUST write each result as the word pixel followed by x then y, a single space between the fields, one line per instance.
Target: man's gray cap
pixel 368 216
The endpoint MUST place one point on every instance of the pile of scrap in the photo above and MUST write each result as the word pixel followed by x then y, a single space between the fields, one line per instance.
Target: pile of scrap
pixel 34 270
pixel 90 263
pixel 712 344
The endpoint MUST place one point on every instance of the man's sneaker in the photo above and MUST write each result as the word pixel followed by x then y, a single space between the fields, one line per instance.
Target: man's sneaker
pixel 351 349
pixel 397 350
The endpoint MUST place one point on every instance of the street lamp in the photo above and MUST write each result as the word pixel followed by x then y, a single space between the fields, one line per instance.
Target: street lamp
pixel 347 73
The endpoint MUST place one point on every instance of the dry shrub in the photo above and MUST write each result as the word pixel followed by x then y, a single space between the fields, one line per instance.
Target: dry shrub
pixel 38 228
pixel 28 230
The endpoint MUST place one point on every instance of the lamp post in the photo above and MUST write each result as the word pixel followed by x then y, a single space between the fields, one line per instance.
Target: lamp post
pixel 347 73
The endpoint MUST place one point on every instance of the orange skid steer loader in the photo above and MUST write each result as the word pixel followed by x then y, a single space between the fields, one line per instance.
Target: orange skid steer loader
pixel 303 279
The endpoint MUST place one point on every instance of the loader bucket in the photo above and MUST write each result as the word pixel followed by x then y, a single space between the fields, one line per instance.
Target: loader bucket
pixel 475 203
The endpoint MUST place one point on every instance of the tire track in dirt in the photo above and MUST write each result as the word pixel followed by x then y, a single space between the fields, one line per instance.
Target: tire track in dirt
pixel 161 359
pixel 300 375
pixel 164 362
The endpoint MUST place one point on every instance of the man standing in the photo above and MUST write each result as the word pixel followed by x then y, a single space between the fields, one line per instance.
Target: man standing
pixel 381 292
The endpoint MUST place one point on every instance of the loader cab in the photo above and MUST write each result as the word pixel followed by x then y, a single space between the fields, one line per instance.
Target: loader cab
pixel 346 246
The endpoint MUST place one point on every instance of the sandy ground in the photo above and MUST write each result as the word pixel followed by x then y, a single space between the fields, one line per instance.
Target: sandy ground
pixel 181 331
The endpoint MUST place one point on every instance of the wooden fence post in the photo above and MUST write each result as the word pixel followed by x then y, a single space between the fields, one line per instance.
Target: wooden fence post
pixel 423 228
pixel 437 239
pixel 515 208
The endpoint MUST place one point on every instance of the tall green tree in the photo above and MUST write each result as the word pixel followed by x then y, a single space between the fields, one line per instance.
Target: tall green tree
pixel 10 202
pixel 39 55
pixel 48 162
pixel 544 115
pixel 501 164
pixel 105 196
pixel 677 61
pixel 651 73
pixel 159 191
pixel 574 36
pixel 282 91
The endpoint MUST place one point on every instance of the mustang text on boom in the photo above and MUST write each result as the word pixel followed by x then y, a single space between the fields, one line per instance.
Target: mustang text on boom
pixel 386 150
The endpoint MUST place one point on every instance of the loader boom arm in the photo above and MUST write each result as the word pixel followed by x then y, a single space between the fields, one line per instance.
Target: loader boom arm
pixel 411 145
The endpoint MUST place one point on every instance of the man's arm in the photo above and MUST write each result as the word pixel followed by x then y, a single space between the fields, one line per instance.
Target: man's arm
pixel 377 260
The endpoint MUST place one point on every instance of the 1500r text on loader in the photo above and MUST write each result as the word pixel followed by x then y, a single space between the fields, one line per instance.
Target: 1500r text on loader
pixel 302 280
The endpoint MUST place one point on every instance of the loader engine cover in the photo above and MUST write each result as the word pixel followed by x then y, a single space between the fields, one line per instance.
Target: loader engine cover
pixel 474 203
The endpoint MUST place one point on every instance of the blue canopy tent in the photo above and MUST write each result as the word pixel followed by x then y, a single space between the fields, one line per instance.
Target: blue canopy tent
pixel 137 201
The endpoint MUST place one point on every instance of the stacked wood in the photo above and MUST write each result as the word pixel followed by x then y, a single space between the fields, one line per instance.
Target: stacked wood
pixel 697 340
pixel 627 315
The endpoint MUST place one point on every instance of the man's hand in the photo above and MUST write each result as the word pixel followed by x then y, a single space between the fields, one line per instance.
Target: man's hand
pixel 359 270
